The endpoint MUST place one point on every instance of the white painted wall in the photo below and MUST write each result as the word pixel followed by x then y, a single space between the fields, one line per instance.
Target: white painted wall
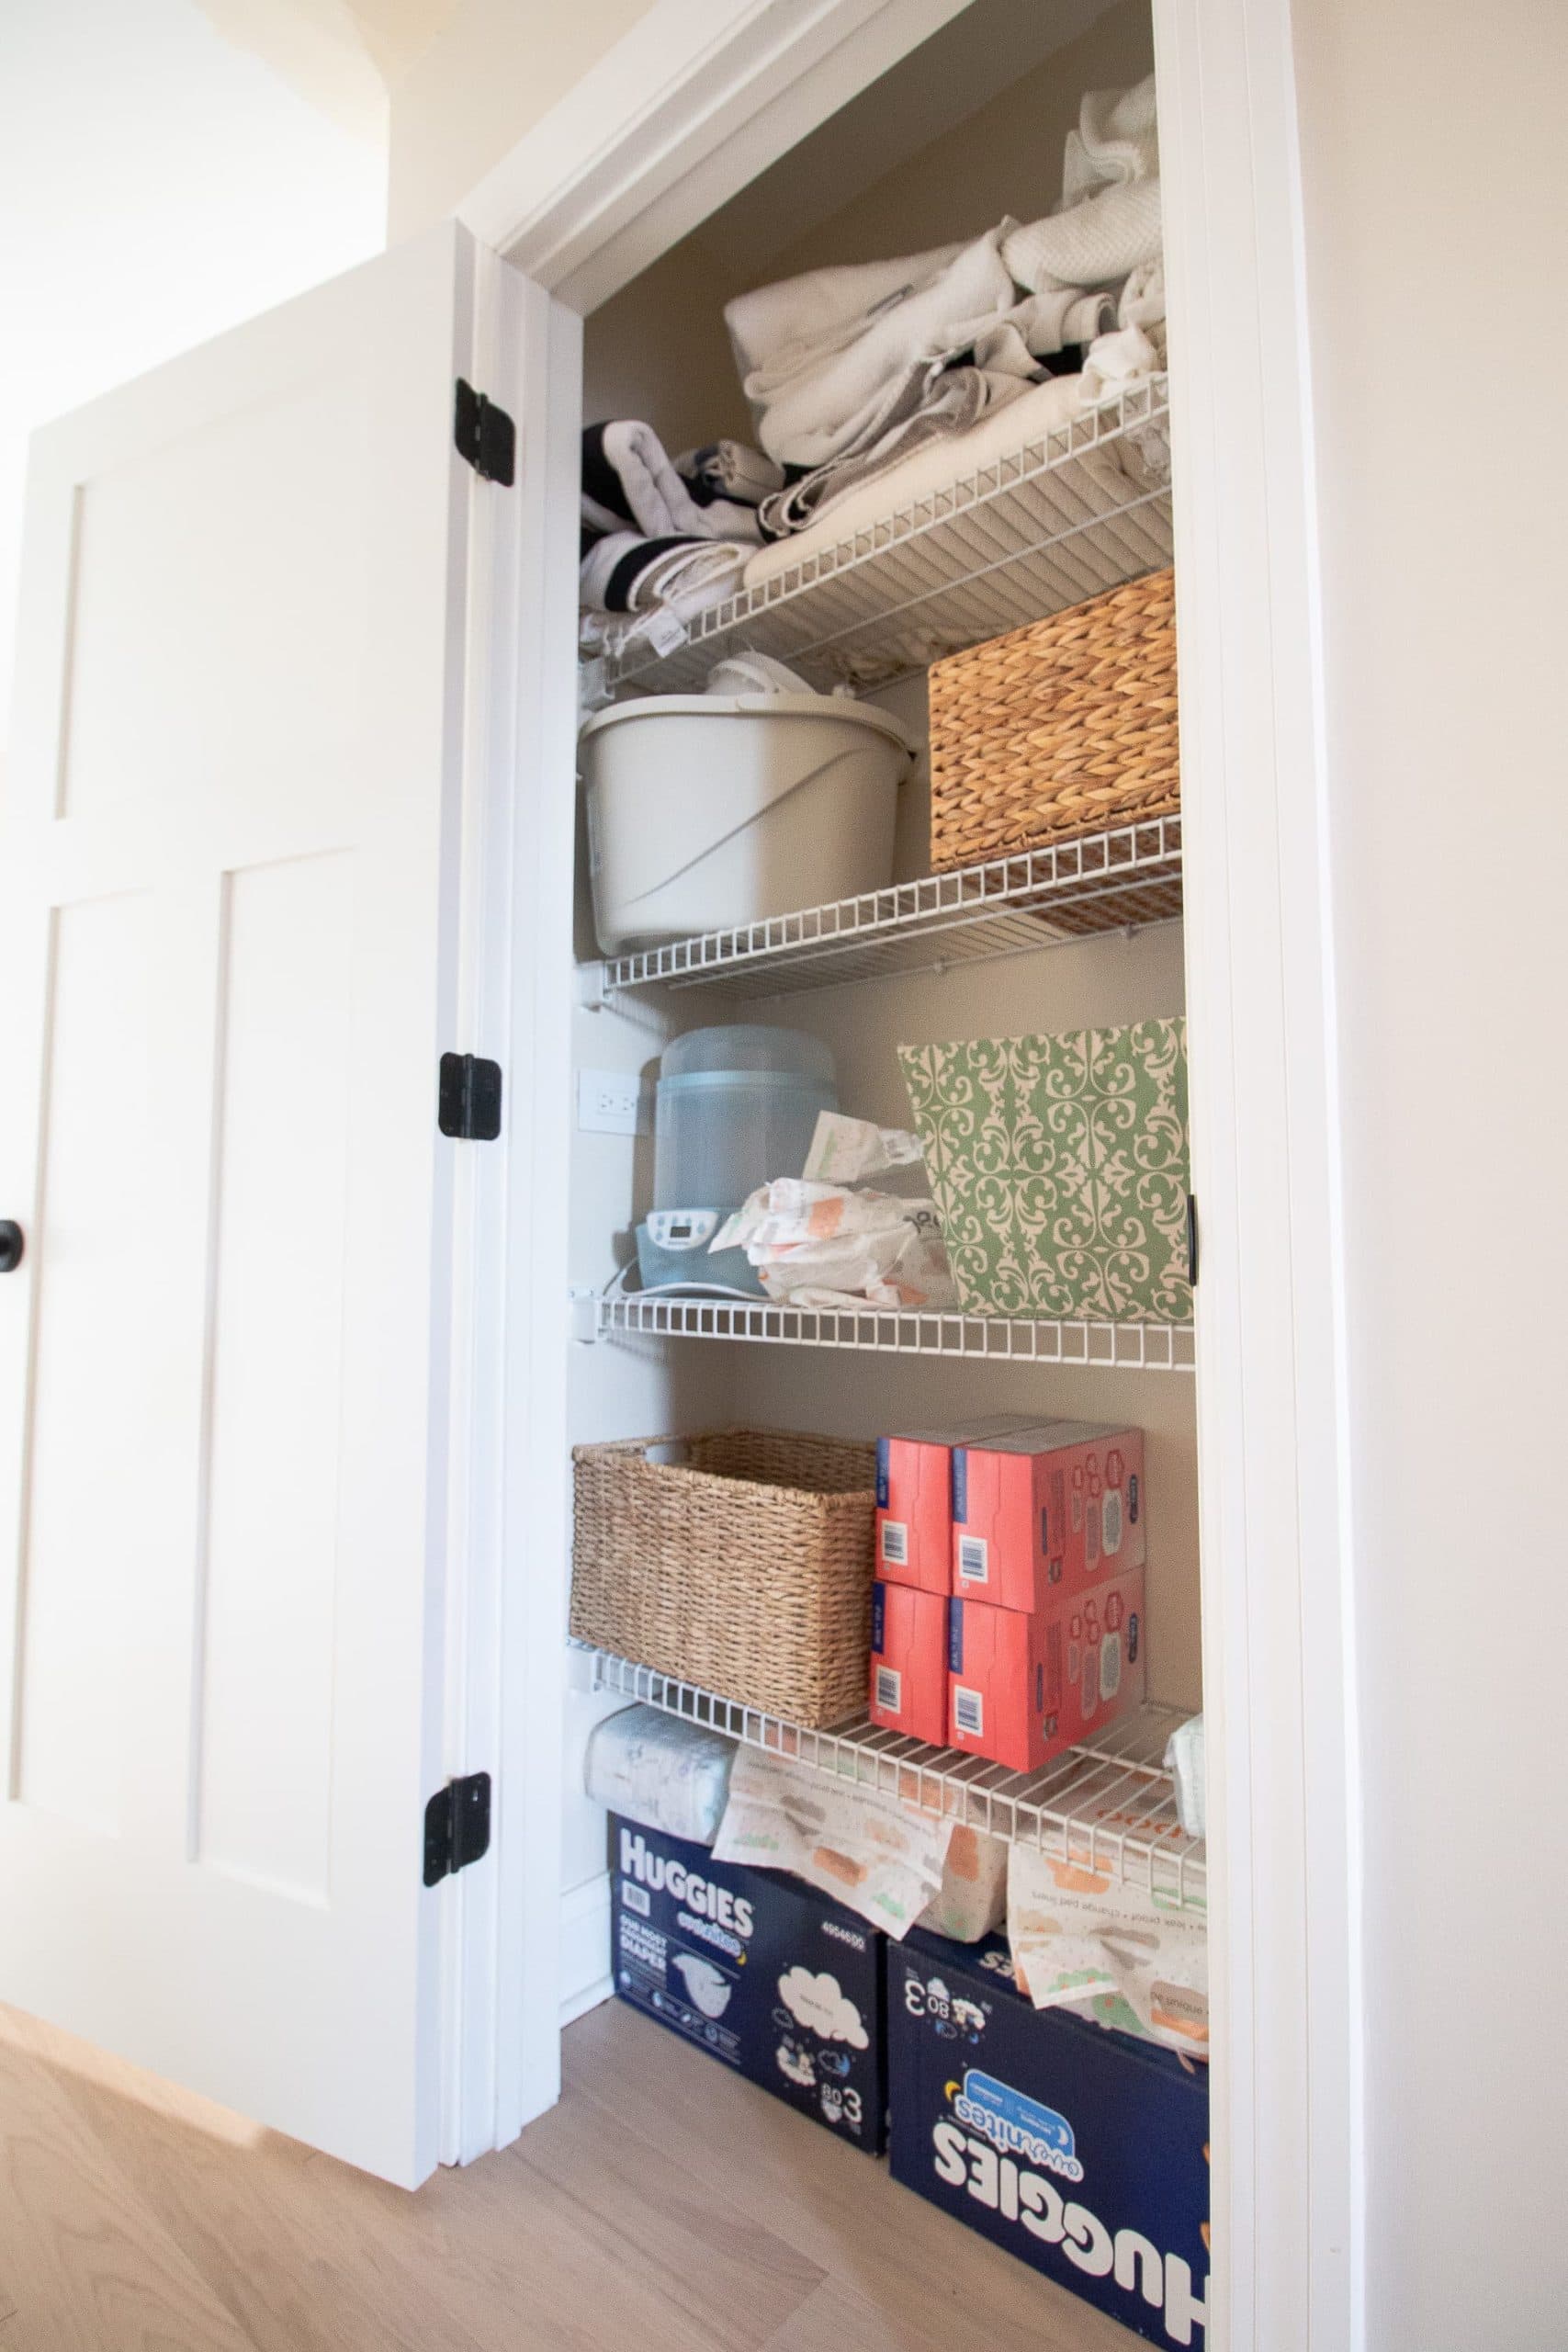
pixel 1436 219
pixel 157 185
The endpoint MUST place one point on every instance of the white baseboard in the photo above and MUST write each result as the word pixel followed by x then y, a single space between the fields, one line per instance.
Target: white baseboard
pixel 585 1948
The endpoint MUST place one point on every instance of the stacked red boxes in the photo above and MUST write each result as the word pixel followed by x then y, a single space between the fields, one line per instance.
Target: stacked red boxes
pixel 1041 1512
pixel 1023 1685
pixel 914 1555
pixel 1045 1634
pixel 909 1661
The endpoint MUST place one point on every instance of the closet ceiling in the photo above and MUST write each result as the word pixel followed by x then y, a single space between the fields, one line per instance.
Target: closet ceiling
pixel 991 44
pixel 341 55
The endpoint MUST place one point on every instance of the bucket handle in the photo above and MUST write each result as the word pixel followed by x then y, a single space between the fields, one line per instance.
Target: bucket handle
pixel 811 777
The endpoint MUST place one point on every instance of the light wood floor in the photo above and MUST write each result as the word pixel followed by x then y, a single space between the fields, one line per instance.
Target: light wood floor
pixel 662 2207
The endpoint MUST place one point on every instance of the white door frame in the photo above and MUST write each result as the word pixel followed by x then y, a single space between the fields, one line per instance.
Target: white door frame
pixel 686 108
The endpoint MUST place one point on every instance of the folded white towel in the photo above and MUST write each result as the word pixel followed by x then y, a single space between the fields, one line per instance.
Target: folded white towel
pixel 1093 243
pixel 958 399
pixel 623 573
pixel 1143 298
pixel 629 482
pixel 1037 412
pixel 1117 140
pixel 1116 362
pixel 823 305
pixel 831 361
pixel 1039 327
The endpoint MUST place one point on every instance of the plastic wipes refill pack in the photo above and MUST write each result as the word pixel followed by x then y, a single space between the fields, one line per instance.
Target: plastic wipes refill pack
pixel 1083 1940
pixel 654 1769
pixel 779 1984
pixel 883 1859
pixel 829 1245
pixel 1082 2152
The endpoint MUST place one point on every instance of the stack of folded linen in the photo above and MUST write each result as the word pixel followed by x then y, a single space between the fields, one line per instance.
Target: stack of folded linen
pixel 662 537
pixel 851 371
pixel 889 378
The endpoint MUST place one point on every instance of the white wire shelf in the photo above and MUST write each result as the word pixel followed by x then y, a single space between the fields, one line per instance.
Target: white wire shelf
pixel 1011 906
pixel 1109 1803
pixel 1058 520
pixel 1122 1347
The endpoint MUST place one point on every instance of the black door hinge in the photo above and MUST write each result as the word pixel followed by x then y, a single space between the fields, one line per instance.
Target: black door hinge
pixel 457 1827
pixel 1192 1240
pixel 469 1104
pixel 485 435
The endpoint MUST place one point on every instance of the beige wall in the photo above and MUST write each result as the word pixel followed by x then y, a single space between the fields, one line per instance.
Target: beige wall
pixel 1437 221
pixel 492 71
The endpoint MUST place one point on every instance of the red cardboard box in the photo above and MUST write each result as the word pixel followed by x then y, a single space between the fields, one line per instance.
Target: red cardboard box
pixel 914 1500
pixel 1046 1511
pixel 909 1661
pixel 1022 1687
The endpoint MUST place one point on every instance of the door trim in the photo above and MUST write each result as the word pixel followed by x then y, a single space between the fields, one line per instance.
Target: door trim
pixel 673 120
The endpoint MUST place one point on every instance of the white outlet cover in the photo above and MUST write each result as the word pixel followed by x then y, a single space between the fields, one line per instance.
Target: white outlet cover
pixel 611 1103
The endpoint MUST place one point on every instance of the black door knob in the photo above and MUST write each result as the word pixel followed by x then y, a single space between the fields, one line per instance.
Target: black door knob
pixel 11 1245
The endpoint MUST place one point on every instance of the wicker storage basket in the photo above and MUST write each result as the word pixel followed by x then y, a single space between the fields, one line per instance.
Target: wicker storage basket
pixel 1066 727
pixel 742 1562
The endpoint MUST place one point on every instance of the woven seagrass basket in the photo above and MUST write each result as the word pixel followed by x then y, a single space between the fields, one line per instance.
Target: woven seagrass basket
pixel 1064 728
pixel 743 1561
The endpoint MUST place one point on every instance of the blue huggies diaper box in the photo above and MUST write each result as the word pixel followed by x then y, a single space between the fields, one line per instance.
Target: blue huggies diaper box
pixel 757 1970
pixel 1085 2153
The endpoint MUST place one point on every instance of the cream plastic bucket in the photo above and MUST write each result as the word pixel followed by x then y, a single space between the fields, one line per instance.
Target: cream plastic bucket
pixel 707 812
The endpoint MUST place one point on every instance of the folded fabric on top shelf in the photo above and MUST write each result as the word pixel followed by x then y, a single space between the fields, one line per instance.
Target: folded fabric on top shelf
pixel 1117 140
pixel 629 483
pixel 832 360
pixel 1108 218
pixel 1093 243
pixel 956 401
pixel 1037 410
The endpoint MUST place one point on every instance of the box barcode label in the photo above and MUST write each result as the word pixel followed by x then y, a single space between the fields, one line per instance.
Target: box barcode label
pixel 968 1715
pixel 895 1544
pixel 972 1552
pixel 889 1689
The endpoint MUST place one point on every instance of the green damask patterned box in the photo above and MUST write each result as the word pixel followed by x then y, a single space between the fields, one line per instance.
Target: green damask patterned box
pixel 1059 1167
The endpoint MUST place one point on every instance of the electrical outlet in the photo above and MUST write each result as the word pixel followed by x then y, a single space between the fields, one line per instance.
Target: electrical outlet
pixel 611 1103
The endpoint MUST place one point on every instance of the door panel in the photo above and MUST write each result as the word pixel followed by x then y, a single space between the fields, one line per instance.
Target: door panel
pixel 269 1466
pixel 91 1311
pixel 229 893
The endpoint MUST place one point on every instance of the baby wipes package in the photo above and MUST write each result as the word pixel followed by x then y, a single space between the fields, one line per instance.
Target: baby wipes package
pixel 974 1893
pixel 1084 1939
pixel 874 1853
pixel 1083 2153
pixel 654 1769
pixel 761 1972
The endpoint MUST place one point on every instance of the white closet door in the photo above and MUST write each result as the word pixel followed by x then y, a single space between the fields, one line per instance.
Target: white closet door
pixel 227 958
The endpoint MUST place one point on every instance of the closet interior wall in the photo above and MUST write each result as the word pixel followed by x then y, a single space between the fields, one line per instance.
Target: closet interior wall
pixel 659 351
